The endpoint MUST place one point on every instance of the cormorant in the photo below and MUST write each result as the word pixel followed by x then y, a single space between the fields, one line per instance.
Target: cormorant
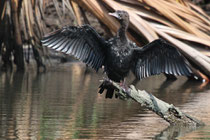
pixel 118 55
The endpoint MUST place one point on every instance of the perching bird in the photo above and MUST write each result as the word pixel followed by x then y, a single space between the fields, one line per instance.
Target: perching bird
pixel 118 55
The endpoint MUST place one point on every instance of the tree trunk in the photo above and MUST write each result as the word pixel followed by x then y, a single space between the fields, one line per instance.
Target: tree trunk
pixel 168 112
pixel 5 37
pixel 2 2
pixel 38 58
pixel 18 49
pixel 1 23
pixel 6 50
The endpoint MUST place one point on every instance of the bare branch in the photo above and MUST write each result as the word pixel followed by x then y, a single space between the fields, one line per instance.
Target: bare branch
pixel 168 112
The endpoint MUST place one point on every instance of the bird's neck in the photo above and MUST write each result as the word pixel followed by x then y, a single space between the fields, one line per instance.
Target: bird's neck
pixel 121 34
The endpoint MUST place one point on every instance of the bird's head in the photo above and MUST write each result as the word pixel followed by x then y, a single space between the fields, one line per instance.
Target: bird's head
pixel 120 15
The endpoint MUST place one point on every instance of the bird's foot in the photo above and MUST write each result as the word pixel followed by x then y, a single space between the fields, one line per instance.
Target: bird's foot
pixel 123 86
pixel 108 85
pixel 111 86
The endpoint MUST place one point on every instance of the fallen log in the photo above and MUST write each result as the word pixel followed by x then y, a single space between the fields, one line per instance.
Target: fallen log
pixel 168 112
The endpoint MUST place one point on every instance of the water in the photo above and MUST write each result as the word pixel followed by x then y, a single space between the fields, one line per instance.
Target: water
pixel 63 104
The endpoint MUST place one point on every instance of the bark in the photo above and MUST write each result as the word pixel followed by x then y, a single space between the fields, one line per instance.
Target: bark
pixel 1 22
pixel 6 50
pixel 38 58
pixel 18 49
pixel 168 112
pixel 2 2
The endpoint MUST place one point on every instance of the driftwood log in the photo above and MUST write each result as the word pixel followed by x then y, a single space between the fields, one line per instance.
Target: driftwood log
pixel 168 112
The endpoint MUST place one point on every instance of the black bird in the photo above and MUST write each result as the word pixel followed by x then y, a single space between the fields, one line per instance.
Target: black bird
pixel 118 55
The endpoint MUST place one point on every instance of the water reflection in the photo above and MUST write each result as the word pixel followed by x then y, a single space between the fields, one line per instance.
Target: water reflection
pixel 63 104
pixel 173 132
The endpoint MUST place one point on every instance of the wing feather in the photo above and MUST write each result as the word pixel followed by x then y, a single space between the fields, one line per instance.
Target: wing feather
pixel 83 42
pixel 159 57
pixel 60 43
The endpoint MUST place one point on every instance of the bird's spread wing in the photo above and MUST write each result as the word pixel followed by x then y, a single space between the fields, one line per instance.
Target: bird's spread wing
pixel 159 57
pixel 83 42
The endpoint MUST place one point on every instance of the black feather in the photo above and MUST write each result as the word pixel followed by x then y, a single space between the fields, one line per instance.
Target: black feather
pixel 118 55
pixel 162 58
pixel 82 42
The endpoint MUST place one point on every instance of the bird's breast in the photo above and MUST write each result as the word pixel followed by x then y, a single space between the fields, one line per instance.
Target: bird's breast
pixel 120 58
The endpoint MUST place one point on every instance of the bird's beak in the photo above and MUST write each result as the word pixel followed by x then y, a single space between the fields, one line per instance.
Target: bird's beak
pixel 114 15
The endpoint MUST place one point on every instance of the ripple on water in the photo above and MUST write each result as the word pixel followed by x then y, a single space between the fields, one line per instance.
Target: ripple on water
pixel 64 104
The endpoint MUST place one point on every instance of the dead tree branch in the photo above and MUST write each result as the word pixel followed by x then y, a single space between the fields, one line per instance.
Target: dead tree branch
pixel 168 112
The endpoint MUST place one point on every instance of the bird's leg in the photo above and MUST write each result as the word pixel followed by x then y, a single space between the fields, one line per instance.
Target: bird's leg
pixel 122 82
pixel 123 85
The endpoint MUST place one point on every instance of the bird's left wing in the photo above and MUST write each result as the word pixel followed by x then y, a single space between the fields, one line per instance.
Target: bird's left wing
pixel 159 57
pixel 83 42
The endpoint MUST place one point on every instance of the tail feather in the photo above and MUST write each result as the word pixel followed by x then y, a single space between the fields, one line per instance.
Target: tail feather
pixel 109 92
pixel 101 89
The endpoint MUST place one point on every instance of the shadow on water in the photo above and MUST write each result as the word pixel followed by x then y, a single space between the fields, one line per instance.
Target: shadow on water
pixel 63 104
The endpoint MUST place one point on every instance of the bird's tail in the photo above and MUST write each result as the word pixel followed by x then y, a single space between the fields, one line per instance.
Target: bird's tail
pixel 109 92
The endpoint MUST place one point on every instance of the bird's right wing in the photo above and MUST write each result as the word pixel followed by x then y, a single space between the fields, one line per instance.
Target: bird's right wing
pixel 83 42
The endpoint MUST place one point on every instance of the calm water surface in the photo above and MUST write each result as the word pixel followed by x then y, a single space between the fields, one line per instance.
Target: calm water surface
pixel 63 104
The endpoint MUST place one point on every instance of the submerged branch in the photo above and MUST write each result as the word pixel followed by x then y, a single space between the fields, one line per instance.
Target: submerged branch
pixel 168 112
